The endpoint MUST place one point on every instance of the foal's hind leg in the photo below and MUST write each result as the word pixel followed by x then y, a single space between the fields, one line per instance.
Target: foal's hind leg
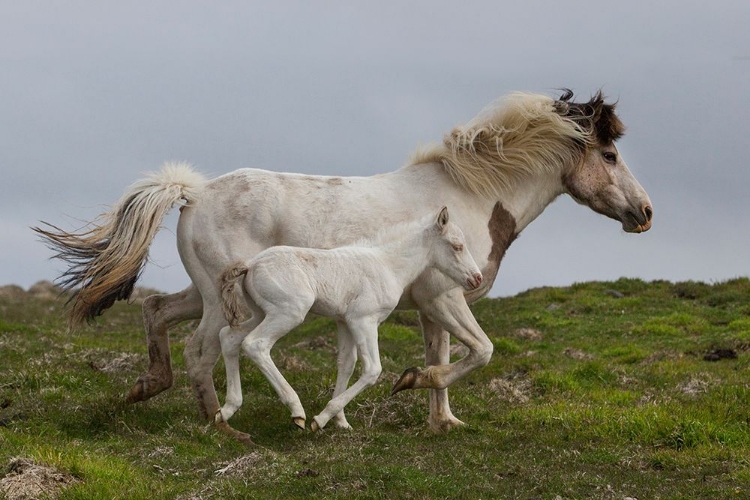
pixel 161 312
pixel 257 345
pixel 346 359
pixel 231 339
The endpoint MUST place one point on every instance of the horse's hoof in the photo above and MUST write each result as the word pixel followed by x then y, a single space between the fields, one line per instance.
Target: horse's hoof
pixel 137 393
pixel 299 422
pixel 407 380
pixel 314 426
pixel 444 426
pixel 234 433
pixel 218 418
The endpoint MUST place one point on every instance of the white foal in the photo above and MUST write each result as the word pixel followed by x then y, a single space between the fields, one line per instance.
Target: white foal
pixel 358 285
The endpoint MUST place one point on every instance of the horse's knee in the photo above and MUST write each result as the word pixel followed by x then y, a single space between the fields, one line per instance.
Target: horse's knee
pixel 483 354
pixel 151 305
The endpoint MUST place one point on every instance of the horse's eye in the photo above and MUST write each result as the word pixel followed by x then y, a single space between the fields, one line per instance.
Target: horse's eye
pixel 609 157
pixel 458 248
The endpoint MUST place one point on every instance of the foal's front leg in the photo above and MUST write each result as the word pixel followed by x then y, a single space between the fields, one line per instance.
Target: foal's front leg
pixel 365 335
pixel 345 361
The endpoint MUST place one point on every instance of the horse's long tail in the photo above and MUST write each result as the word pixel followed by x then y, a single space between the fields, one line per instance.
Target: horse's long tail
pixel 231 293
pixel 106 261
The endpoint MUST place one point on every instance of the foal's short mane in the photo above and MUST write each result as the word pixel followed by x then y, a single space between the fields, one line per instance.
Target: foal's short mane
pixel 520 135
pixel 395 232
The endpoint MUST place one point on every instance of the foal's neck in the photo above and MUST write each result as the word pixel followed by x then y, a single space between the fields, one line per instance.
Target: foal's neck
pixel 407 257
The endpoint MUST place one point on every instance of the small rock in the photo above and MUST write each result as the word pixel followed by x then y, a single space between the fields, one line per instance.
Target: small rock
pixel 307 473
pixel 615 294
pixel 719 354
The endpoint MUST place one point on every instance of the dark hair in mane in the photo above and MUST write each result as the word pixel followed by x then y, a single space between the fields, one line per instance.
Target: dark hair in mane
pixel 596 117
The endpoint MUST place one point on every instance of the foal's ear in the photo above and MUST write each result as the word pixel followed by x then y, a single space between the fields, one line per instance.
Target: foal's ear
pixel 442 218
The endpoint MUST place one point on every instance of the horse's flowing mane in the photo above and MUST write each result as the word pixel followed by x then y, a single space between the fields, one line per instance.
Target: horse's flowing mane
pixel 520 135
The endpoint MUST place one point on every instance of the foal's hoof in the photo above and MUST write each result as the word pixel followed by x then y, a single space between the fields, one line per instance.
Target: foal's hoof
pixel 234 433
pixel 218 418
pixel 299 422
pixel 407 380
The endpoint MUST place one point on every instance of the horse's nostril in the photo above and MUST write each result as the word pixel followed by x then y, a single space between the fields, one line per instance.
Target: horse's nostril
pixel 649 212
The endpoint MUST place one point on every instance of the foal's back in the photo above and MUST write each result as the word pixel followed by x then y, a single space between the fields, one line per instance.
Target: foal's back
pixel 332 282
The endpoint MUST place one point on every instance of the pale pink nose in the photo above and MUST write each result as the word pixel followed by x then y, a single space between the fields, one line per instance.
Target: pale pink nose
pixel 477 280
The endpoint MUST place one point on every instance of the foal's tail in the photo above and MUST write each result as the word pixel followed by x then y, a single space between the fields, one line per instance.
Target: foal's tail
pixel 106 261
pixel 230 293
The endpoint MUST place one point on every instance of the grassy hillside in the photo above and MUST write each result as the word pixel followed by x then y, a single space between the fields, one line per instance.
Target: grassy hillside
pixel 599 390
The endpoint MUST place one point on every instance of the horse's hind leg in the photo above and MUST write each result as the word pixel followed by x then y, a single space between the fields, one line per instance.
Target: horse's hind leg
pixel 161 312
pixel 346 359
pixel 201 353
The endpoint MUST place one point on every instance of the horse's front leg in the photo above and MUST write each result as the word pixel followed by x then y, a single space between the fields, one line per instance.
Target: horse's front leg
pixel 437 352
pixel 160 313
pixel 452 313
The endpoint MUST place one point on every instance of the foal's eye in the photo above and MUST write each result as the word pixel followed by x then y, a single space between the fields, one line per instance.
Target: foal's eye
pixel 458 248
pixel 609 157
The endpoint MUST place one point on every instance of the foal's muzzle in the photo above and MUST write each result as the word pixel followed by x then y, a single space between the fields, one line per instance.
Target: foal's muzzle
pixel 474 282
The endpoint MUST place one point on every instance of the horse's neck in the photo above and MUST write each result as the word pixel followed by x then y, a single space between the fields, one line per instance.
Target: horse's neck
pixel 531 196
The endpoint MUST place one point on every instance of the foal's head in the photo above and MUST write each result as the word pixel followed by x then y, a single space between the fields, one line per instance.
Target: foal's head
pixel 450 254
pixel 602 180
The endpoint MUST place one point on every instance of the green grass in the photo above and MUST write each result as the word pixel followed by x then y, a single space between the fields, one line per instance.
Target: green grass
pixel 600 397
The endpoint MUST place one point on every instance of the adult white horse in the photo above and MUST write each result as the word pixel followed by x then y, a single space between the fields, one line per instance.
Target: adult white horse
pixel 497 173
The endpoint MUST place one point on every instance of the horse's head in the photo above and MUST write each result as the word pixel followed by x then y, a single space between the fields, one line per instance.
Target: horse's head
pixel 451 255
pixel 602 180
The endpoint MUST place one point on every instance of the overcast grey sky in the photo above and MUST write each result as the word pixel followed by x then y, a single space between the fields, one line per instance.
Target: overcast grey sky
pixel 94 94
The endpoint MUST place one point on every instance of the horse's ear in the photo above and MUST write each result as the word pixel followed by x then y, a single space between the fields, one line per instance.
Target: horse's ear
pixel 442 218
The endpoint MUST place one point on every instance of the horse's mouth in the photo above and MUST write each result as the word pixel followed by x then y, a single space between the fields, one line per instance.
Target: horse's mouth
pixel 635 226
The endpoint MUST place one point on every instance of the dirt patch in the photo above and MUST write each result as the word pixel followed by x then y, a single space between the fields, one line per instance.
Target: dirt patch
pixel 292 363
pixel 528 334
pixel 320 342
pixel 696 385
pixel 108 362
pixel 26 480
pixel 577 354
pixel 511 391
pixel 240 466
pixel 665 355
